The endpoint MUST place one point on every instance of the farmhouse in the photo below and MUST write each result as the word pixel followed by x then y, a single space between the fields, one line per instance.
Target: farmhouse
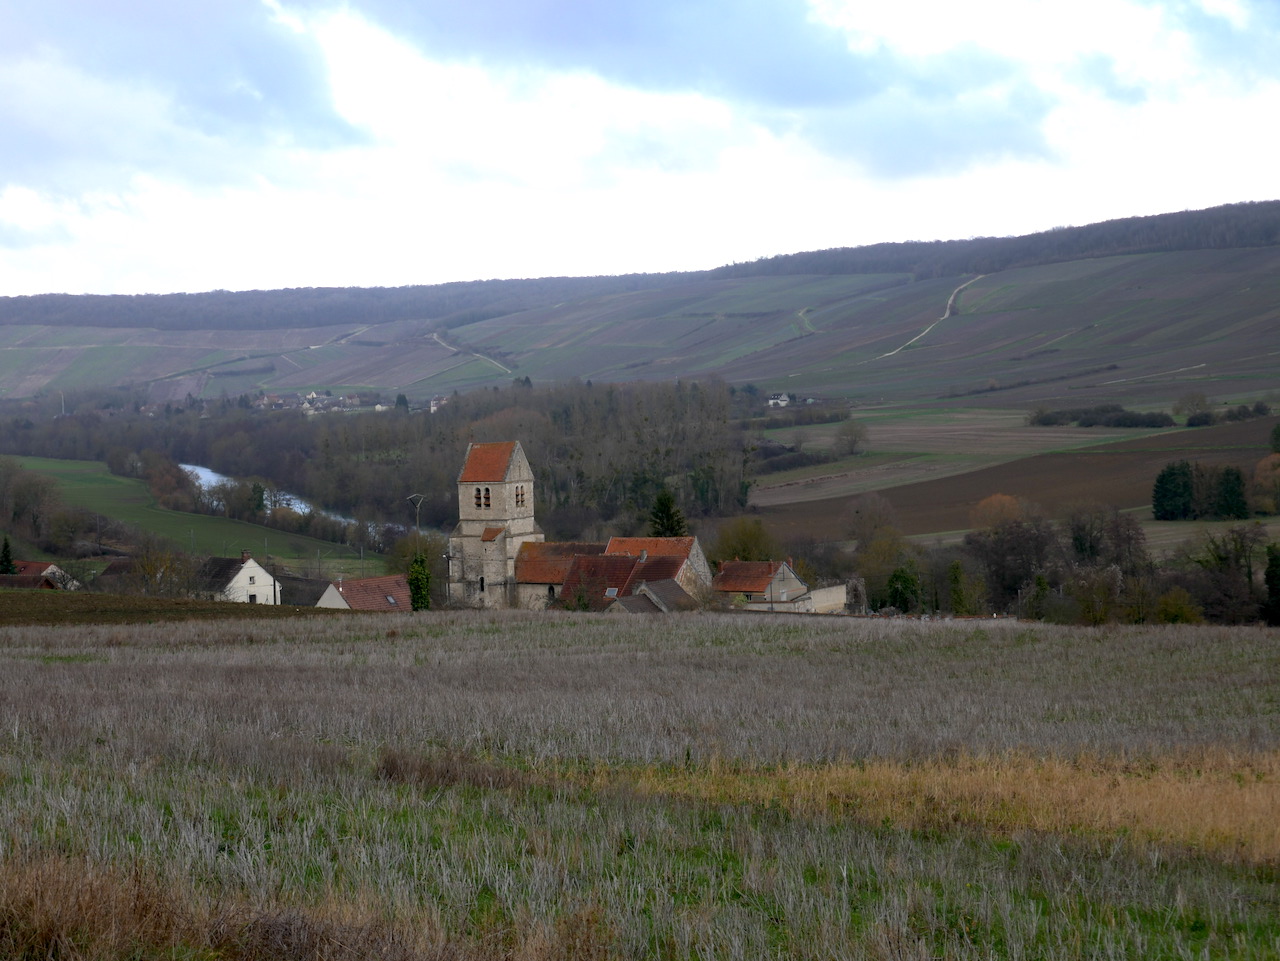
pixel 763 586
pixel 243 581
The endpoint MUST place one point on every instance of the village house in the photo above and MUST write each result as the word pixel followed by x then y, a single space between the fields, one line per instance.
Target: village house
pixel 39 575
pixel 387 593
pixel 242 580
pixel 763 586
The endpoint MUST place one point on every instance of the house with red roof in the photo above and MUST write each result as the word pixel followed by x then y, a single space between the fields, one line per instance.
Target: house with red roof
pixel 39 575
pixel 387 593
pixel 763 586
pixel 693 573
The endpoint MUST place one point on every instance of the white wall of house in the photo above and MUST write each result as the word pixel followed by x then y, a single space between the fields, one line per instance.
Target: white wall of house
pixel 252 585
pixel 332 597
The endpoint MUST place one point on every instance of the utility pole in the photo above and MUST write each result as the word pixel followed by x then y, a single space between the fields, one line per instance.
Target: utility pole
pixel 416 500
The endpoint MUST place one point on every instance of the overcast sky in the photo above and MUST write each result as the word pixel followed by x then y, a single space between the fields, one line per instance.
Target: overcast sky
pixel 156 146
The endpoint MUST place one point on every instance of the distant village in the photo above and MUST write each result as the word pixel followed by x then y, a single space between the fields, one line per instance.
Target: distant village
pixel 497 558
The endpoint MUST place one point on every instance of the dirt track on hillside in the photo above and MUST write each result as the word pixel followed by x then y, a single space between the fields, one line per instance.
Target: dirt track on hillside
pixel 1118 474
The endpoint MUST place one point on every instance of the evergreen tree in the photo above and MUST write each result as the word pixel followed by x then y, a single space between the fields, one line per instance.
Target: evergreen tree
pixel 1275 439
pixel 1171 496
pixel 1230 502
pixel 666 519
pixel 6 558
pixel 419 583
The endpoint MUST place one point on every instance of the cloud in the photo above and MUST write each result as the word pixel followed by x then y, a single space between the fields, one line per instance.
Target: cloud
pixel 93 93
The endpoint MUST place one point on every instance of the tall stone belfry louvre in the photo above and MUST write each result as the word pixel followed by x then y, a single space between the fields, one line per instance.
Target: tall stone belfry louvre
pixel 495 517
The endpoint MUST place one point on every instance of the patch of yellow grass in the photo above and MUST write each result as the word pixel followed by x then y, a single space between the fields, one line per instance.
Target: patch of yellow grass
pixel 1224 804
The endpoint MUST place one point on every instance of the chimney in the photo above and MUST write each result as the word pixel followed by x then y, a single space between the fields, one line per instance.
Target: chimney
pixel 244 556
pixel 644 556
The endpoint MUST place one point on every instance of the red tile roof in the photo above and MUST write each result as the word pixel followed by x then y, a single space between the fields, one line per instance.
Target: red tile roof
pixel 595 577
pixel 389 593
pixel 654 546
pixel 745 577
pixel 487 463
pixel 492 533
pixel 548 563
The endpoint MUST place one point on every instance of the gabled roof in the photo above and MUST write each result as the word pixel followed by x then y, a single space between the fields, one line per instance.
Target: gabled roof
pixel 301 591
pixel 635 604
pixel 746 577
pixel 662 568
pixel 492 533
pixel 667 595
pixel 487 463
pixel 680 547
pixel 599 579
pixel 539 562
pixel 387 593
pixel 217 572
pixel 32 568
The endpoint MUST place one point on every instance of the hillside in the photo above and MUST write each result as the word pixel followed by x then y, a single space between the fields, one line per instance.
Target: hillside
pixel 1133 310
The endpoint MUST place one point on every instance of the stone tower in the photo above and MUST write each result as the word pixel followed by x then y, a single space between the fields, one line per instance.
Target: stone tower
pixel 495 516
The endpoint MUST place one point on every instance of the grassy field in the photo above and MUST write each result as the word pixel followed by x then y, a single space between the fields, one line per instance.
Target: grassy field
pixel 546 786
pixel 88 484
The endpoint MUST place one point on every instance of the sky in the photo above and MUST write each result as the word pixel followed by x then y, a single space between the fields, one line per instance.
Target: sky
pixel 148 146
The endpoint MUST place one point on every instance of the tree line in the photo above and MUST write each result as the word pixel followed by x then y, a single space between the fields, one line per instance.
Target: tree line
pixel 600 452
pixel 1091 566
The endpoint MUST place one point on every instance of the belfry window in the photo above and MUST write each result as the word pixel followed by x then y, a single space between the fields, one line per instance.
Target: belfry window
pixel 486 499
pixel 477 497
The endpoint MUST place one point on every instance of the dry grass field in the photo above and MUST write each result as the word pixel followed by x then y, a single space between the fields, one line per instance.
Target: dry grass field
pixel 467 785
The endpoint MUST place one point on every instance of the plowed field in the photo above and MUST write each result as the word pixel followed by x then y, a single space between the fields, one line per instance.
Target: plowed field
pixel 1118 474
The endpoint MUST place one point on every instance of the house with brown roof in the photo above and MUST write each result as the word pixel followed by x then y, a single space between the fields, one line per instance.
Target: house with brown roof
pixel 763 586
pixel 495 519
pixel 386 593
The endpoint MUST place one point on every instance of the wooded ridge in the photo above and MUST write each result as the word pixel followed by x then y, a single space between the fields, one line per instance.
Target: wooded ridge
pixel 1252 224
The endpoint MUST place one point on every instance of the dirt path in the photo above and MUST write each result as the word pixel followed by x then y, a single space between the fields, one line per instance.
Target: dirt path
pixel 949 312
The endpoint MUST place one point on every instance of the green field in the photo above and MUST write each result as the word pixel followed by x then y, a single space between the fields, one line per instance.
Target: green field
pixel 89 485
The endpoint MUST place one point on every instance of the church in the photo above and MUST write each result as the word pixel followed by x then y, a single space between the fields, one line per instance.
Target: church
pixel 499 558
pixel 495 517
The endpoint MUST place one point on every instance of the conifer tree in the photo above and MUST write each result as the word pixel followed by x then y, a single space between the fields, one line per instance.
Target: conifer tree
pixel 6 558
pixel 666 519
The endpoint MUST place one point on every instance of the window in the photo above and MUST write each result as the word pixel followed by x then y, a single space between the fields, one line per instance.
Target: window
pixel 253 598
pixel 486 498
pixel 520 496
pixel 611 592
pixel 252 579
pixel 551 592
pixel 482 585
pixel 391 600
pixel 477 497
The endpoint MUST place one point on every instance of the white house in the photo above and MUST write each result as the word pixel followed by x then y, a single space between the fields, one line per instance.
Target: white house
pixel 242 581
